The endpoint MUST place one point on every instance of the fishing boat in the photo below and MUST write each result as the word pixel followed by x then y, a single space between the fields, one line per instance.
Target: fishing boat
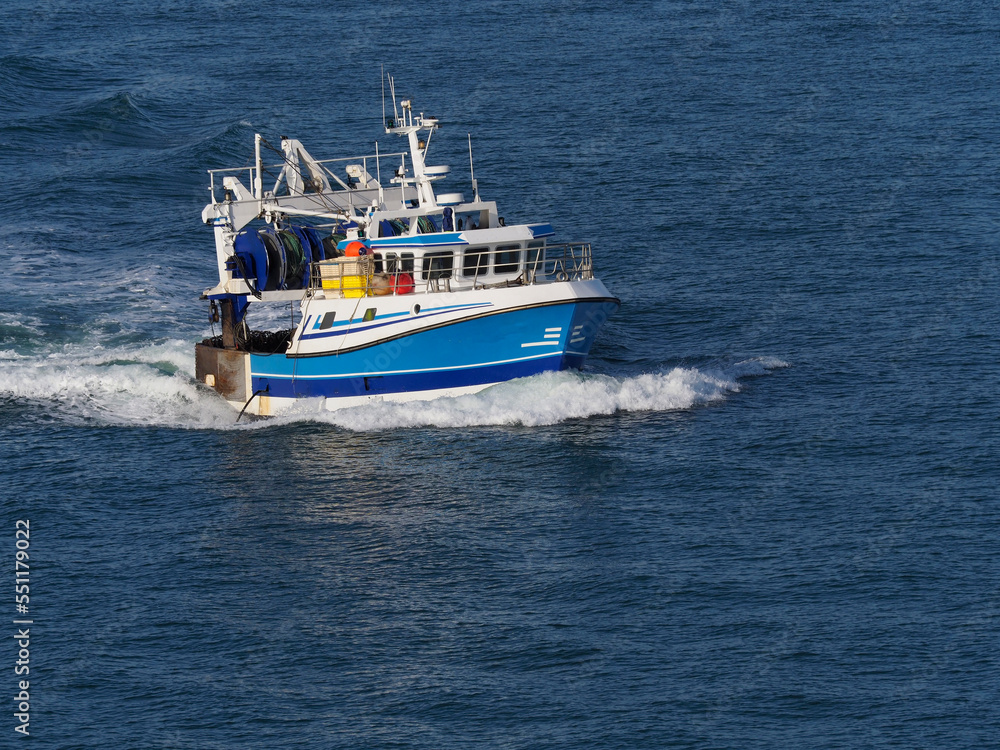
pixel 396 291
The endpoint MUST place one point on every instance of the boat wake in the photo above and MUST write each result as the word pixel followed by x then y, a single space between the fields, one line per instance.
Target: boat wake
pixel 554 397
pixel 154 386
pixel 122 386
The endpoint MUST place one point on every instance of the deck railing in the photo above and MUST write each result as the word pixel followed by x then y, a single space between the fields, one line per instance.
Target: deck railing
pixel 371 165
pixel 373 276
pixel 564 262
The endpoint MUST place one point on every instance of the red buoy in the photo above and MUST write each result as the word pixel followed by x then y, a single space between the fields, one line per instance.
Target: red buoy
pixel 402 283
pixel 355 248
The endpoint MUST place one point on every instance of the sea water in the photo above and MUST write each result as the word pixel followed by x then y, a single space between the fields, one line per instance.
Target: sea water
pixel 765 513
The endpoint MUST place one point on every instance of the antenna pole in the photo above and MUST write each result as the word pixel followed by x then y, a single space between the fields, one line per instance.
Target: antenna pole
pixel 472 173
pixel 383 96
pixel 392 93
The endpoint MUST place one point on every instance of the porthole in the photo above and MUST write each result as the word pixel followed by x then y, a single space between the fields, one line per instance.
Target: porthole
pixel 416 309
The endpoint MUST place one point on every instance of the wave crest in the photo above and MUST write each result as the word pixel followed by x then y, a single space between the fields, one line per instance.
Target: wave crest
pixel 553 397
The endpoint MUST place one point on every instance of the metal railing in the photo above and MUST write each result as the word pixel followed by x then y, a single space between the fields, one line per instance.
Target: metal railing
pixel 374 161
pixel 562 262
pixel 371 276
pixel 358 277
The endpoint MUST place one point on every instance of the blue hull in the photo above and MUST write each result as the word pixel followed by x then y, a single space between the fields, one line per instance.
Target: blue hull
pixel 473 352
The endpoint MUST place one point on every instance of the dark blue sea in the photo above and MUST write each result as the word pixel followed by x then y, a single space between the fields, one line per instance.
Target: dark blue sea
pixel 765 515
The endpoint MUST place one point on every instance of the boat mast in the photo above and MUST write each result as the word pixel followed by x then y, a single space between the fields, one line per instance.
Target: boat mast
pixel 410 126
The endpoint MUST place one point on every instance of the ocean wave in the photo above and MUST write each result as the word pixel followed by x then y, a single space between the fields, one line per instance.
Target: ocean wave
pixel 91 126
pixel 44 74
pixel 19 323
pixel 17 333
pixel 137 386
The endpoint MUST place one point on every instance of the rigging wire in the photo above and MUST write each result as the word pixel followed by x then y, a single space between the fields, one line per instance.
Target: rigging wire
pixel 317 198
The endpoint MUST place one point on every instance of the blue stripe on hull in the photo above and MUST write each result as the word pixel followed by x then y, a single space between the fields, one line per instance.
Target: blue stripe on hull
pixel 473 352
pixel 375 385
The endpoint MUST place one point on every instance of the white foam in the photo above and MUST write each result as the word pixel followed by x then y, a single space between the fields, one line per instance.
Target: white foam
pixel 154 385
pixel 150 385
pixel 27 323
pixel 550 398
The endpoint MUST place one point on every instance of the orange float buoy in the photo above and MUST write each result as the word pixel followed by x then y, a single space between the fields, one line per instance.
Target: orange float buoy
pixel 355 248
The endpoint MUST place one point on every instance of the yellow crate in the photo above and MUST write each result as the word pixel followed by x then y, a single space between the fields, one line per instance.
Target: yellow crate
pixel 350 276
pixel 355 286
pixel 348 283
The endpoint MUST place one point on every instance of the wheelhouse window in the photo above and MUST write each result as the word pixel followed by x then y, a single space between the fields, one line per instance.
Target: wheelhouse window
pixel 402 263
pixel 438 264
pixel 508 258
pixel 476 262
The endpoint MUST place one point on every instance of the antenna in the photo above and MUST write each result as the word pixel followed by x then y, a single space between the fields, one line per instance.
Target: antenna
pixel 383 96
pixel 392 93
pixel 472 173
